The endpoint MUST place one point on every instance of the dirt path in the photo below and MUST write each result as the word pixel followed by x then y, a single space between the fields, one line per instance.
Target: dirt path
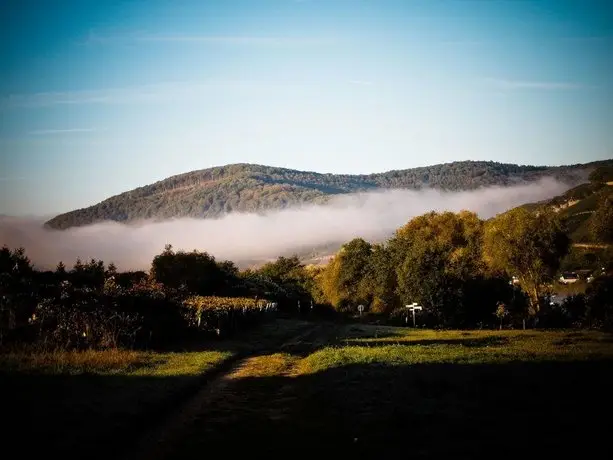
pixel 218 400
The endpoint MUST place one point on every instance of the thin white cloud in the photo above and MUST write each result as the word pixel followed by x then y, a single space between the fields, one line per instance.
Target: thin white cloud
pixel 134 94
pixel 228 39
pixel 588 39
pixel 96 37
pixel 42 132
pixel 109 36
pixel 462 42
pixel 542 85
pixel 361 82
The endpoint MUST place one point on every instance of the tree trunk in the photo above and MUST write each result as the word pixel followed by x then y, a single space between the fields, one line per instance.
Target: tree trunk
pixel 533 301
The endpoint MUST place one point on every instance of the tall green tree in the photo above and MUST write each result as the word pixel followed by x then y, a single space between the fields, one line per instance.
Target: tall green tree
pixel 354 264
pixel 290 277
pixel 379 282
pixel 283 269
pixel 195 271
pixel 328 280
pixel 435 255
pixel 529 245
pixel 343 280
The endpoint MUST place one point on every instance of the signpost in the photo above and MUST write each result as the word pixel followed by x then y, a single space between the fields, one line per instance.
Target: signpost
pixel 360 309
pixel 412 309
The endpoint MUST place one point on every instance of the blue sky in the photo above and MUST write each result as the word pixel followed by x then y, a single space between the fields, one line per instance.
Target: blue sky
pixel 97 97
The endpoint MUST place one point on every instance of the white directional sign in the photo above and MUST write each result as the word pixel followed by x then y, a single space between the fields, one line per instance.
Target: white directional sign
pixel 412 308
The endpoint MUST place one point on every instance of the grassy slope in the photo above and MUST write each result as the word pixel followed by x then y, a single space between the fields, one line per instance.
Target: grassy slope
pixel 389 391
pixel 585 199
pixel 578 216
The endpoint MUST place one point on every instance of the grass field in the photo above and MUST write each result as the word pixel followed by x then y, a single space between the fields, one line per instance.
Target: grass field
pixel 66 400
pixel 98 402
pixel 334 388
pixel 357 390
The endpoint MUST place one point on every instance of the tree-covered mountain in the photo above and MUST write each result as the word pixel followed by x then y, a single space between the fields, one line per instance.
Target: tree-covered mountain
pixel 244 187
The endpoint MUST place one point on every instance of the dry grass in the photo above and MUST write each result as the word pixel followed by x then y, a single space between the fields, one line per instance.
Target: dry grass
pixel 265 366
pixel 70 362
pixel 112 362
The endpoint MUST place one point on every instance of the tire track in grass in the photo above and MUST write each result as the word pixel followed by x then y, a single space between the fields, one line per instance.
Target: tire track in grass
pixel 219 402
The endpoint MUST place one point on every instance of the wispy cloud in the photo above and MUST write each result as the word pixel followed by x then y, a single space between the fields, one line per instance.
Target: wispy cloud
pixel 43 132
pixel 172 91
pixel 588 39
pixel 229 39
pixel 361 82
pixel 537 85
pixel 462 42
pixel 113 37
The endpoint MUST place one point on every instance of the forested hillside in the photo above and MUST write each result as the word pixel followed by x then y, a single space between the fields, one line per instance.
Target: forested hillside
pixel 587 209
pixel 252 188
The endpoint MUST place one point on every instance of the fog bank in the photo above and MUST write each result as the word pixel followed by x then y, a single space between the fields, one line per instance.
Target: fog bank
pixel 249 237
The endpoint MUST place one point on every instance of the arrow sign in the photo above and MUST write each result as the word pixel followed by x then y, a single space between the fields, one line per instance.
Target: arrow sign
pixel 412 309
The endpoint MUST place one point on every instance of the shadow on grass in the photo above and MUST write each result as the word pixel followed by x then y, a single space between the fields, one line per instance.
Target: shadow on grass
pixel 580 337
pixel 418 411
pixel 88 415
pixel 480 342
pixel 100 416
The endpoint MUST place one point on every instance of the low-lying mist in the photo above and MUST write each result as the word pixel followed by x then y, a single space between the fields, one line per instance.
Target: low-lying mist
pixel 246 238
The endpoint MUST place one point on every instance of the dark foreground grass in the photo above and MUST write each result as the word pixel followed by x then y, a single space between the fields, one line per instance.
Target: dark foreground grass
pixel 69 403
pixel 97 403
pixel 324 389
pixel 424 394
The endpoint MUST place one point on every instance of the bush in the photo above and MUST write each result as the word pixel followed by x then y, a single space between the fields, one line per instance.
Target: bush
pixel 599 303
pixel 80 318
pixel 602 174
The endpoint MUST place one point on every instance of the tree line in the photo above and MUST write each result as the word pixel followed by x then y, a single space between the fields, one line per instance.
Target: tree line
pixel 464 271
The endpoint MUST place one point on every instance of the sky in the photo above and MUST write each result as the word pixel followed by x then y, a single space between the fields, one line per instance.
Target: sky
pixel 97 98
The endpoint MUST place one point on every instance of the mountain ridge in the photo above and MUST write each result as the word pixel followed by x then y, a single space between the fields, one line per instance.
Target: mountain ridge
pixel 246 187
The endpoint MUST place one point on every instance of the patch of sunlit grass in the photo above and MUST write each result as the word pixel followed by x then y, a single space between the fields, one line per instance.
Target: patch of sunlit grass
pixel 393 346
pixel 71 362
pixel 109 362
pixel 181 363
pixel 265 365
